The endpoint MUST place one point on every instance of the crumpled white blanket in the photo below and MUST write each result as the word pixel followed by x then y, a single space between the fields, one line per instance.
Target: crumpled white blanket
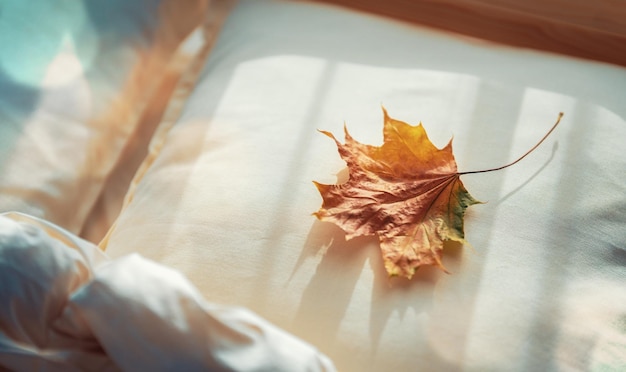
pixel 65 306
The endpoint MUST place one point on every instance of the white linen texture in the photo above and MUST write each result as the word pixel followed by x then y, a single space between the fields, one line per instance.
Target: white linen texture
pixel 67 307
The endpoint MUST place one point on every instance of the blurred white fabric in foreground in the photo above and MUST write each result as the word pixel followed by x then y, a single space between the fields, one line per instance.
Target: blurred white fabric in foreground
pixel 66 306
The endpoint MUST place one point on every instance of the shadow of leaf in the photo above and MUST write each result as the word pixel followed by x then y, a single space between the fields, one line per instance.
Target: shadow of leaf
pixel 555 147
pixel 340 281
pixel 331 288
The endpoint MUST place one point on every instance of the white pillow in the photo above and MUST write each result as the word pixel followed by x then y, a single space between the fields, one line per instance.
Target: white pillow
pixel 175 86
pixel 228 199
pixel 75 80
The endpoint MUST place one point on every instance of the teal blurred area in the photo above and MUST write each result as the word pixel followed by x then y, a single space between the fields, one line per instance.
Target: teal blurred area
pixel 33 33
pixel 72 75
pixel 46 46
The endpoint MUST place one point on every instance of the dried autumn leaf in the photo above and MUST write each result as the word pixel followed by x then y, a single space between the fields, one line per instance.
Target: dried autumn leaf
pixel 407 192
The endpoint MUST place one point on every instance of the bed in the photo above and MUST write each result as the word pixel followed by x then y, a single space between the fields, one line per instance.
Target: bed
pixel 157 195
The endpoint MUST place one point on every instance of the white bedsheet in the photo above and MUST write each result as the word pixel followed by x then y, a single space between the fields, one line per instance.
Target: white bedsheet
pixel 66 306
pixel 228 199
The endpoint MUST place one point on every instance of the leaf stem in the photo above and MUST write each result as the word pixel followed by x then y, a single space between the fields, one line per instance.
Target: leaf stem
pixel 558 120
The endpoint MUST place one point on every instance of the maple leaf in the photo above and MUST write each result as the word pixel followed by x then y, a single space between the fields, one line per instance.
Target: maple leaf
pixel 407 192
